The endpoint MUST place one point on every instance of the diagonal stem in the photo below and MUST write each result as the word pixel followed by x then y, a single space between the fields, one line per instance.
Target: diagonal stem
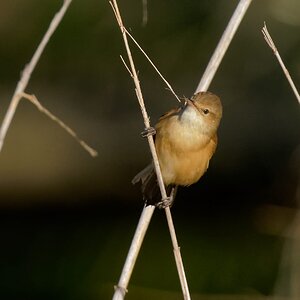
pixel 26 74
pixel 223 45
pixel 272 45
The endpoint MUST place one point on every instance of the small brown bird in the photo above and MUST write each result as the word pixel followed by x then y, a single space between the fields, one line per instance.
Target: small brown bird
pixel 185 140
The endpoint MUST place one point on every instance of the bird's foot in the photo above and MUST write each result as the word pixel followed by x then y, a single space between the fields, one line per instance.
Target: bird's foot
pixel 148 131
pixel 165 202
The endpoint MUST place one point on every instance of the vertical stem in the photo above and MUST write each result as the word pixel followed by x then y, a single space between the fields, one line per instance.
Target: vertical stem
pixel 177 255
pixel 134 249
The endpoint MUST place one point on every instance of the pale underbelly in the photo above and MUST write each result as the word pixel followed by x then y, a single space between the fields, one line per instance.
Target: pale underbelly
pixel 184 169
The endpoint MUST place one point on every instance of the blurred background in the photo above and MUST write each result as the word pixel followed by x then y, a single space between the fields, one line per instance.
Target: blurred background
pixel 66 219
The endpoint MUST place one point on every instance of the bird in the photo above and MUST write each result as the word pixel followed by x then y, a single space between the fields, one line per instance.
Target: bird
pixel 185 141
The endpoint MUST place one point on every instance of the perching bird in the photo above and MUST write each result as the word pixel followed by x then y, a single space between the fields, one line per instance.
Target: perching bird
pixel 185 140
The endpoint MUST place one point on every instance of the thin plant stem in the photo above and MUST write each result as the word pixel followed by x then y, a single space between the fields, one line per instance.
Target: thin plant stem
pixel 137 241
pixel 272 45
pixel 69 130
pixel 134 249
pixel 145 12
pixel 153 65
pixel 223 45
pixel 26 74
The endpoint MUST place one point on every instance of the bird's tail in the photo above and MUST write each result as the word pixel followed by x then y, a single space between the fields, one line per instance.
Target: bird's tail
pixel 149 186
pixel 150 189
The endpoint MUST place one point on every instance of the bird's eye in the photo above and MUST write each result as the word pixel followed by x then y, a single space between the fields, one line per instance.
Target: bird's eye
pixel 205 111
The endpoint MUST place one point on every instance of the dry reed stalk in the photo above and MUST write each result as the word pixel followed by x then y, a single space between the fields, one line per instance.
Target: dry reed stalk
pixel 145 12
pixel 153 65
pixel 25 77
pixel 70 131
pixel 289 268
pixel 223 45
pixel 121 288
pixel 271 44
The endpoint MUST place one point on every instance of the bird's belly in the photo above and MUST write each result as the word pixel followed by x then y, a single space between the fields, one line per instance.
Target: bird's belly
pixel 184 168
pixel 183 153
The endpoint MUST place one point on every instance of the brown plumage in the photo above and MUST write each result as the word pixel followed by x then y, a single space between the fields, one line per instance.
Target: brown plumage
pixel 186 139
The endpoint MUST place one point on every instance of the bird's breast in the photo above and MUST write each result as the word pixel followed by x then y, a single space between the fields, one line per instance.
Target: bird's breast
pixel 182 135
pixel 183 151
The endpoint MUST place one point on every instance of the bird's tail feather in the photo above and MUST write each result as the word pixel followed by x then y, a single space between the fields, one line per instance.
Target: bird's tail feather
pixel 149 186
pixel 150 189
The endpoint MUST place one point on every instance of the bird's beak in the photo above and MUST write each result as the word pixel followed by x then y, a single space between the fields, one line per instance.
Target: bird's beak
pixel 192 103
pixel 184 104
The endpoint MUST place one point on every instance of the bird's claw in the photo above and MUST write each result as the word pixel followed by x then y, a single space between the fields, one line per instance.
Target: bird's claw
pixel 148 131
pixel 165 202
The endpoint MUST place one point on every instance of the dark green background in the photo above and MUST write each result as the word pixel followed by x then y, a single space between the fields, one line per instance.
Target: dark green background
pixel 66 219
